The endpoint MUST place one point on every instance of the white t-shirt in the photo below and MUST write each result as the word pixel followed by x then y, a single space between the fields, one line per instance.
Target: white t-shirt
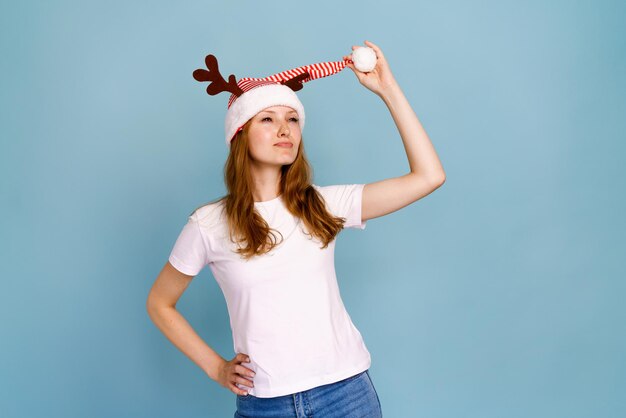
pixel 285 308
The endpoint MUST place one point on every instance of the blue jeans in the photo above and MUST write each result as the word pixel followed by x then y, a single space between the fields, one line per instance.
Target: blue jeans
pixel 354 397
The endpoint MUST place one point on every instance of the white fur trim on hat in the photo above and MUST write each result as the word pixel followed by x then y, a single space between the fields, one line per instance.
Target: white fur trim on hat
pixel 253 101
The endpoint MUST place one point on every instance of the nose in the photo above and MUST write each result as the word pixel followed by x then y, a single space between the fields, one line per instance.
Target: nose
pixel 284 129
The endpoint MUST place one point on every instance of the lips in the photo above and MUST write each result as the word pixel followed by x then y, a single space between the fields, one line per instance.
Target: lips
pixel 284 144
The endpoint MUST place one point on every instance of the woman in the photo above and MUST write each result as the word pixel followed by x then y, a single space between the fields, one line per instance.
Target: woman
pixel 270 245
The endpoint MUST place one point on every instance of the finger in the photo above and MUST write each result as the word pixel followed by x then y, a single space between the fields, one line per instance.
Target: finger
pixel 244 371
pixel 243 358
pixel 372 45
pixel 244 381
pixel 238 391
pixel 375 48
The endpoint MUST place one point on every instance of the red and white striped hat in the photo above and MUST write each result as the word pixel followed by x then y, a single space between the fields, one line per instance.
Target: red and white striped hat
pixel 251 95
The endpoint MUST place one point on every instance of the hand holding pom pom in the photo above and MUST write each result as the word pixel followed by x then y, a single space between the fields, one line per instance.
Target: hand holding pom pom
pixel 371 68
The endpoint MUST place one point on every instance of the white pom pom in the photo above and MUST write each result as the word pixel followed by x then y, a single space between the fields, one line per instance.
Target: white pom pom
pixel 364 59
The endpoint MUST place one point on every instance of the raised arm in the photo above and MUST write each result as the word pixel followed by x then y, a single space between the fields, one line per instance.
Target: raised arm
pixel 426 172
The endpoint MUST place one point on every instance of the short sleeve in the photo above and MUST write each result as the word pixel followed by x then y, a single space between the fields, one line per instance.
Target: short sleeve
pixel 189 255
pixel 345 200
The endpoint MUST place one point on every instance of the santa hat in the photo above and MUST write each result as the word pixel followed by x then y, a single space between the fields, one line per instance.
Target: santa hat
pixel 251 95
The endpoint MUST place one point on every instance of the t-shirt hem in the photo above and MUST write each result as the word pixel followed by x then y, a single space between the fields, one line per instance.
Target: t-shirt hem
pixel 359 222
pixel 312 383
pixel 182 267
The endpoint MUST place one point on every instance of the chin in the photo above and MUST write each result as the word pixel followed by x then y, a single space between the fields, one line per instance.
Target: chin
pixel 287 161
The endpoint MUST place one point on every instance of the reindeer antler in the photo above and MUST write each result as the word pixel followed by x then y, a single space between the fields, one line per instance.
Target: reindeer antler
pixel 296 83
pixel 218 84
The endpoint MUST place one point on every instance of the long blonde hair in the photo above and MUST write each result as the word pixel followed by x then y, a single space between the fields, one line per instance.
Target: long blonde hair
pixel 247 226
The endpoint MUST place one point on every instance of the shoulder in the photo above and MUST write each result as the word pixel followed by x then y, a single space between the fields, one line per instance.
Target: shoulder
pixel 327 190
pixel 345 200
pixel 209 214
pixel 338 191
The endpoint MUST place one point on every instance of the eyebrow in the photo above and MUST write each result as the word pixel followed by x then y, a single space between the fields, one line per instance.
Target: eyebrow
pixel 271 111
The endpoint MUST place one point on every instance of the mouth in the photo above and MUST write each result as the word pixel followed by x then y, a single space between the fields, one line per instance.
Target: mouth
pixel 284 144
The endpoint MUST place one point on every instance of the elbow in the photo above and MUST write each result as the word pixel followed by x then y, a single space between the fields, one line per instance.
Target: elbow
pixel 150 307
pixel 156 306
pixel 438 180
pixel 153 306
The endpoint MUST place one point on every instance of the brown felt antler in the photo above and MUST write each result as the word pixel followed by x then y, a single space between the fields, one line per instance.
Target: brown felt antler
pixel 296 83
pixel 218 84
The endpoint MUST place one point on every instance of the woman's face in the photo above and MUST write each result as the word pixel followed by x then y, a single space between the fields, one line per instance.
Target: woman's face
pixel 274 136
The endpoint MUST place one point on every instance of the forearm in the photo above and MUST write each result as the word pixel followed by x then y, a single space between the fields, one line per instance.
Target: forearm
pixel 423 159
pixel 182 335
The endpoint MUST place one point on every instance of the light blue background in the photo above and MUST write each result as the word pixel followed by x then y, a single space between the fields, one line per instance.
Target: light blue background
pixel 501 294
